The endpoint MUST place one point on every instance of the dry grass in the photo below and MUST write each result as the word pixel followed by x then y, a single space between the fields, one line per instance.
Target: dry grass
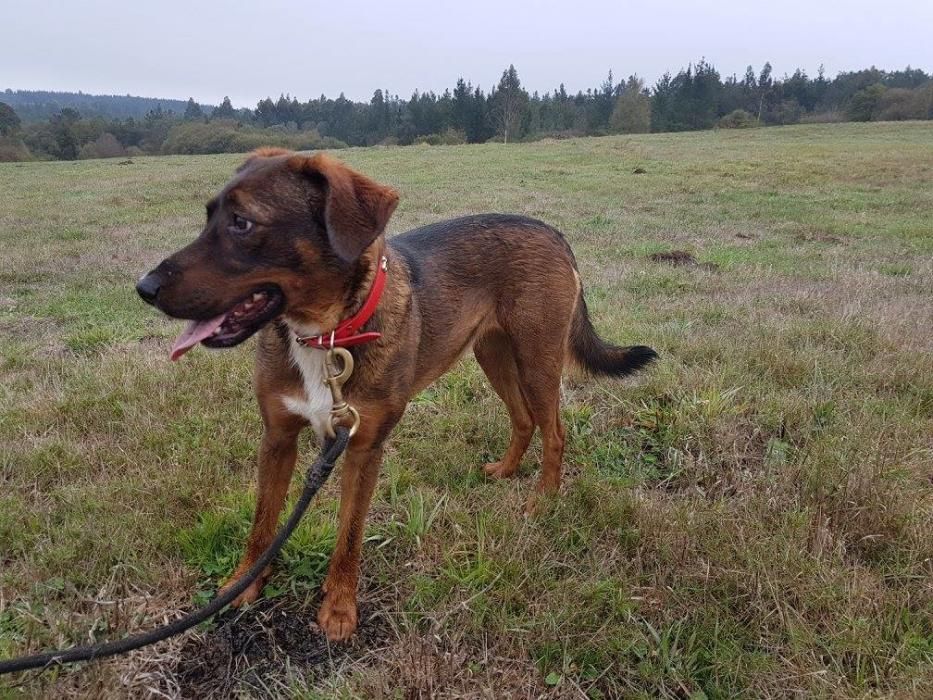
pixel 751 517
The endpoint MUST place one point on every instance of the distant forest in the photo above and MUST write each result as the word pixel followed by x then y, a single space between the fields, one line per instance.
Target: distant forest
pixel 38 125
pixel 41 105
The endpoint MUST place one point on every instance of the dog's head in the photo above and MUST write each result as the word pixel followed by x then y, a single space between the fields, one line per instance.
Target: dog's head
pixel 288 235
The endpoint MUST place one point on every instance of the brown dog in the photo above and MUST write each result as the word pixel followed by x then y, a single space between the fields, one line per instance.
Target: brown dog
pixel 292 246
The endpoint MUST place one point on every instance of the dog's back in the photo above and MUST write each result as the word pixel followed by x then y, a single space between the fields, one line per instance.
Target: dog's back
pixel 492 265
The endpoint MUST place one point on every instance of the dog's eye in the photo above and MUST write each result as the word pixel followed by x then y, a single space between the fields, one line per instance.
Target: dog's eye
pixel 241 225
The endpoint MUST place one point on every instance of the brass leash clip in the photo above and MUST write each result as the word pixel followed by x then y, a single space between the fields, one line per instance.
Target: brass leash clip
pixel 338 366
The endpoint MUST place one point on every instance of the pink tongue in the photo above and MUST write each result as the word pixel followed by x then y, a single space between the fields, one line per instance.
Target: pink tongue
pixel 194 334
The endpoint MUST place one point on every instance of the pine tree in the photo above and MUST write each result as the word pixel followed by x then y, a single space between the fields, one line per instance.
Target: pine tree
pixel 9 120
pixel 509 103
pixel 478 125
pixel 66 141
pixel 461 107
pixel 603 104
pixel 662 104
pixel 193 110
pixel 265 112
pixel 224 111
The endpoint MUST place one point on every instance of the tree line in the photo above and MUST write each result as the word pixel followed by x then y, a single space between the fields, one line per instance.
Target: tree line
pixel 41 105
pixel 697 97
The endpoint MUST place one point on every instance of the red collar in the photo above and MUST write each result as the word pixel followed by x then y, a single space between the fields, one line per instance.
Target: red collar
pixel 346 333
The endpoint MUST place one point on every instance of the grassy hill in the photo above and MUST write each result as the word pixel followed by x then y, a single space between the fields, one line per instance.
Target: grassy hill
pixel 750 517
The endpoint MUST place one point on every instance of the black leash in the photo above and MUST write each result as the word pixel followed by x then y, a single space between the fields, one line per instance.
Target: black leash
pixel 315 478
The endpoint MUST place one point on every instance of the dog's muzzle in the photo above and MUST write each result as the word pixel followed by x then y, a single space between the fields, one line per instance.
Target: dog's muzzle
pixel 148 287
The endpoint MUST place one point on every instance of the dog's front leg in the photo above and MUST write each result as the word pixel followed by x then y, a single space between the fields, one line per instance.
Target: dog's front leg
pixel 359 473
pixel 278 453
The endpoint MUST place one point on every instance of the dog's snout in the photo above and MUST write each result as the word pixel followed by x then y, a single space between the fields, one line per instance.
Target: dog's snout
pixel 148 287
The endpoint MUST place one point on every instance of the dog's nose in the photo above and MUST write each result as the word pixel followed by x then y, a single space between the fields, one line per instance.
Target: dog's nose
pixel 148 287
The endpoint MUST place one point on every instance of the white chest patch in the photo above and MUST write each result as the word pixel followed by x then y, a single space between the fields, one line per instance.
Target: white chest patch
pixel 316 404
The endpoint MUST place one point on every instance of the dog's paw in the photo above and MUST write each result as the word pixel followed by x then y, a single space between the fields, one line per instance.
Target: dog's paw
pixel 538 497
pixel 337 617
pixel 252 592
pixel 531 505
pixel 500 470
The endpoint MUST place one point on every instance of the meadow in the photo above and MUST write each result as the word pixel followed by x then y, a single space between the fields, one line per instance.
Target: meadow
pixel 750 517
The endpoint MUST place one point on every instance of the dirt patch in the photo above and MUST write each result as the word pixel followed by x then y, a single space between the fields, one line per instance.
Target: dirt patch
pixel 155 342
pixel 262 650
pixel 817 238
pixel 30 327
pixel 681 258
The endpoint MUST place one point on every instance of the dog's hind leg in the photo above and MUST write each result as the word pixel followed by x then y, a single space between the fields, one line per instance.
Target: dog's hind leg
pixel 541 384
pixel 539 357
pixel 494 354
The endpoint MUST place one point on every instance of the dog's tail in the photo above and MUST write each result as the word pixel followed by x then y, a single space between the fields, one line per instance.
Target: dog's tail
pixel 596 356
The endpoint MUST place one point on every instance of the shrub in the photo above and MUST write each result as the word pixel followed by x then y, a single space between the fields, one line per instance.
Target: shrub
pixel 193 138
pixel 451 137
pixel 864 104
pixel 13 150
pixel 105 146
pixel 788 112
pixel 557 135
pixel 898 104
pixel 9 120
pixel 737 119
pixel 632 111
pixel 829 117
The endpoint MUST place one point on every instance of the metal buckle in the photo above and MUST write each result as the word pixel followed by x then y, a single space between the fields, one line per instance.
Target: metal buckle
pixel 336 374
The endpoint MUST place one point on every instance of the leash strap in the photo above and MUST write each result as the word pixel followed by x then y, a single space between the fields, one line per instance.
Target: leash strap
pixel 317 474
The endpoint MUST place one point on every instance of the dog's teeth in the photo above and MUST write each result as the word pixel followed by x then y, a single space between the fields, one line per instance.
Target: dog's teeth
pixel 257 296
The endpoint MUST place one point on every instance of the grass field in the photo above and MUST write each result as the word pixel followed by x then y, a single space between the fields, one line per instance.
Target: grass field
pixel 751 517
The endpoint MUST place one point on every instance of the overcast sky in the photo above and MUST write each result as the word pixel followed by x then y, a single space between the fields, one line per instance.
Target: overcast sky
pixel 167 48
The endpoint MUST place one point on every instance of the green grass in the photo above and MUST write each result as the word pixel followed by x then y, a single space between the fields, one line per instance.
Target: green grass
pixel 752 517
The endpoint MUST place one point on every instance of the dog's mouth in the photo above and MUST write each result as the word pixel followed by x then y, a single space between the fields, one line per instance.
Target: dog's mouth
pixel 232 327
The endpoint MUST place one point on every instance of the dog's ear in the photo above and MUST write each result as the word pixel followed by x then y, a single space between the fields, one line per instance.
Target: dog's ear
pixel 356 209
pixel 263 152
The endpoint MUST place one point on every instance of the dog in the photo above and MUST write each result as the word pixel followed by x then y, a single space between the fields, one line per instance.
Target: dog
pixel 293 246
